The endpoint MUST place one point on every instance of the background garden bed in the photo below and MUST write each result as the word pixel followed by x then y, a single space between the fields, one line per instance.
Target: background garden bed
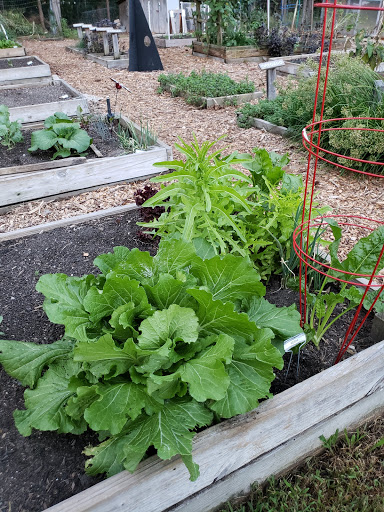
pixel 229 54
pixel 23 186
pixel 16 70
pixel 57 458
pixel 31 104
pixel 174 42
pixel 6 53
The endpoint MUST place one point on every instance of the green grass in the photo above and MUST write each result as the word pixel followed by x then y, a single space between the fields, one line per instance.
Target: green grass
pixel 347 477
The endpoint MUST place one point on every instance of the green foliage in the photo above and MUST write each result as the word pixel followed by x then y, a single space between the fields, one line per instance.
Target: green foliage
pixel 330 442
pixel 207 200
pixel 62 134
pixel 132 139
pixel 10 132
pixel 369 49
pixel 154 348
pixel 204 84
pixel 16 24
pixel 8 43
pixel 361 259
pixel 67 31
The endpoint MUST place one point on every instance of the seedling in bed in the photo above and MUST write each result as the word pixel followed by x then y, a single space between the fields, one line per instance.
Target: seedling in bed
pixel 10 132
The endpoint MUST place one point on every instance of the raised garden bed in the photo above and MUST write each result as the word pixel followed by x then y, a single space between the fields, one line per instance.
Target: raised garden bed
pixel 36 103
pixel 174 42
pixel 18 51
pixel 261 124
pixel 17 70
pixel 231 455
pixel 229 54
pixel 30 177
pixel 222 101
pixel 108 61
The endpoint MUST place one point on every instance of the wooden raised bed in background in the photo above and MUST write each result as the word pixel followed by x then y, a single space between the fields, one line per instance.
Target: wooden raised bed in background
pixel 249 448
pixel 23 183
pixel 164 42
pixel 40 112
pixel 25 74
pixel 229 54
pixel 6 53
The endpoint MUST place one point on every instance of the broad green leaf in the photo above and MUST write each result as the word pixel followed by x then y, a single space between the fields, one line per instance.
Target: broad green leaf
pixel 169 431
pixel 111 359
pixel 206 374
pixel 175 323
pixel 364 255
pixel 84 396
pixel 117 291
pixel 45 405
pixel 284 321
pixel 203 248
pixel 42 139
pixel 116 404
pixel 79 141
pixel 215 317
pixel 109 261
pixel 64 302
pixel 107 457
pixel 229 278
pixel 168 291
pixel 251 374
pixel 25 361
pixel 174 255
pixel 291 184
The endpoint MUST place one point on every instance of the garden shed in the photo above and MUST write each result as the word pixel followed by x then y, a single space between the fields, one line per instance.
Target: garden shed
pixel 155 12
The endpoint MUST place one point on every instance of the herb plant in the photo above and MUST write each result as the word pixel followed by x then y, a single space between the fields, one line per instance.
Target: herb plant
pixel 204 84
pixel 153 349
pixel 10 132
pixel 63 134
pixel 206 200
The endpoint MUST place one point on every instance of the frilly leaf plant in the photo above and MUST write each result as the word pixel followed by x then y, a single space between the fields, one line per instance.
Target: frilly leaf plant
pixel 154 348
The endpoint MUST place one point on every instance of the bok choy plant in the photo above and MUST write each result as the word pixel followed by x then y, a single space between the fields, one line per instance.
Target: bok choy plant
pixel 154 348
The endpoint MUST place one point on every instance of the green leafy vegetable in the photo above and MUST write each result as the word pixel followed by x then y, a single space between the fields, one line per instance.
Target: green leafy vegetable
pixel 10 132
pixel 157 344
pixel 63 134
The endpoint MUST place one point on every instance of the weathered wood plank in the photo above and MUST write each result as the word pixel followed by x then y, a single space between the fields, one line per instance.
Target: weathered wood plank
pixel 6 53
pixel 250 447
pixel 27 72
pixel 42 166
pixel 78 219
pixel 24 187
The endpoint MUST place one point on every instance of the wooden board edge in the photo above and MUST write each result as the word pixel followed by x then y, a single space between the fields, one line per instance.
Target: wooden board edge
pixel 113 493
pixel 78 219
pixel 283 459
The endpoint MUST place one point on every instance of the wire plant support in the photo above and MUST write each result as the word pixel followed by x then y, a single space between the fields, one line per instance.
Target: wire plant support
pixel 312 141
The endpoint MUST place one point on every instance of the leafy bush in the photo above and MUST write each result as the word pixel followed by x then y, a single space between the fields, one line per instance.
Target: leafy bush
pixel 153 349
pixel 10 132
pixel 63 134
pixel 351 85
pixel 16 24
pixel 204 84
pixel 8 43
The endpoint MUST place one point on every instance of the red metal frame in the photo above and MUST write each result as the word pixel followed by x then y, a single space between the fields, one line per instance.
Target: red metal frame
pixel 312 142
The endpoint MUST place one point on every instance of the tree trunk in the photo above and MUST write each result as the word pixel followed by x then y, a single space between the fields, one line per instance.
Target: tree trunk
pixel 198 20
pixel 108 10
pixel 379 22
pixel 219 30
pixel 42 22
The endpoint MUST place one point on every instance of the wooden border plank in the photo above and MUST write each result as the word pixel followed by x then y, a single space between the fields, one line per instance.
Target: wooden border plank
pixel 41 166
pixel 78 219
pixel 25 73
pixel 287 426
pixel 6 53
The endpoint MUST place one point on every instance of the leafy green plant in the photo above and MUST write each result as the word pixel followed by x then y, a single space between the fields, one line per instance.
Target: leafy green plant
pixel 330 442
pixel 63 134
pixel 153 349
pixel 206 201
pixel 8 43
pixel 322 304
pixel 10 132
pixel 131 139
pixel 204 84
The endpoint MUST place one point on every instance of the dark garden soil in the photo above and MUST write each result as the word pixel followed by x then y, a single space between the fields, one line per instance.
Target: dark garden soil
pixel 46 468
pixel 105 141
pixel 19 62
pixel 34 95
